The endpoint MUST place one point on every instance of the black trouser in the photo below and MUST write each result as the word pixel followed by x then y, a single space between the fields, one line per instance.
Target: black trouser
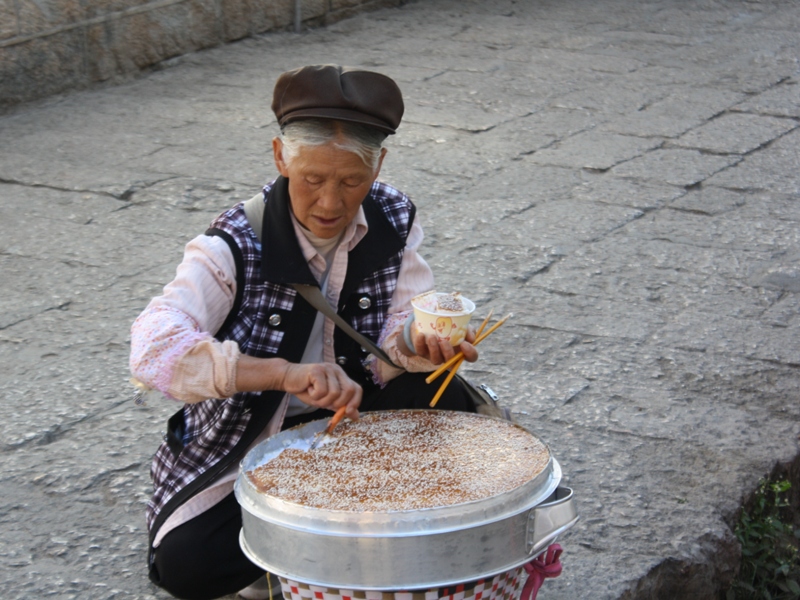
pixel 201 559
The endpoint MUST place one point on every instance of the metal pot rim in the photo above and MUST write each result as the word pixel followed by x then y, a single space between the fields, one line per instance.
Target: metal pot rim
pixel 382 524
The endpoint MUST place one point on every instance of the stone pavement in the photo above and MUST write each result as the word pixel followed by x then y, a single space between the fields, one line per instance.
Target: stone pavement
pixel 623 176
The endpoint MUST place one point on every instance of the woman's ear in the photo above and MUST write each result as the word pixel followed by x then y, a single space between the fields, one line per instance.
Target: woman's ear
pixel 380 162
pixel 277 153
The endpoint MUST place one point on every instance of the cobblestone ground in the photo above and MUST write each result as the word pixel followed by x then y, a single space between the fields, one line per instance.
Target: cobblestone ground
pixel 622 176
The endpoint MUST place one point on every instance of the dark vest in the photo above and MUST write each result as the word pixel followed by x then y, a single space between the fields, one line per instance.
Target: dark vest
pixel 269 319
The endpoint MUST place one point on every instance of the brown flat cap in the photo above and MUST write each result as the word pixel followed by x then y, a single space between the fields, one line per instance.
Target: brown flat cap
pixel 344 94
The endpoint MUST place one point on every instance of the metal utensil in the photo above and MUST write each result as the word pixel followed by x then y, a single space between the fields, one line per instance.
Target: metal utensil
pixel 338 416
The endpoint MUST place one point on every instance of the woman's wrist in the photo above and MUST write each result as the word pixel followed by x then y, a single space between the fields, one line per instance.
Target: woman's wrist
pixel 407 336
pixel 259 374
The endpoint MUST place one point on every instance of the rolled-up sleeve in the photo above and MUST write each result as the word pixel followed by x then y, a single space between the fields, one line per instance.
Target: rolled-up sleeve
pixel 173 348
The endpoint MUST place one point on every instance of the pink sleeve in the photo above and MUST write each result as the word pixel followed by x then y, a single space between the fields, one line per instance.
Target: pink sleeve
pixel 415 275
pixel 414 278
pixel 159 337
pixel 172 346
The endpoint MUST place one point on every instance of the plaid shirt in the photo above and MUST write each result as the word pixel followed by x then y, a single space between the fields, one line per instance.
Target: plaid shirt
pixel 269 323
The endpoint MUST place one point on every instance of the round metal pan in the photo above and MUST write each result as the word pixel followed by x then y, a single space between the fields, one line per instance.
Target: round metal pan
pixel 395 550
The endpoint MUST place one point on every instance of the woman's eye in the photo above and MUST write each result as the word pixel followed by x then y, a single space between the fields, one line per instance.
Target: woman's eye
pixel 352 182
pixel 313 180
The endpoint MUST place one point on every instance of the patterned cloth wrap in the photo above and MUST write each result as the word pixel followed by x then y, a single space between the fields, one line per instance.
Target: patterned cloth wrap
pixel 505 586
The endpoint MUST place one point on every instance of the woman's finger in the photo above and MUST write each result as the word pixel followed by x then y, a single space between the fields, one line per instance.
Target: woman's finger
pixel 434 351
pixel 470 351
pixel 332 390
pixel 447 350
pixel 471 335
pixel 420 344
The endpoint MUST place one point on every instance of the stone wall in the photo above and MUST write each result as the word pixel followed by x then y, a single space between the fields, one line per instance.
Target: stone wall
pixel 49 46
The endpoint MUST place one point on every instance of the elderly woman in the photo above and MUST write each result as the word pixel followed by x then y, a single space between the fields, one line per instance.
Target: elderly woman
pixel 248 356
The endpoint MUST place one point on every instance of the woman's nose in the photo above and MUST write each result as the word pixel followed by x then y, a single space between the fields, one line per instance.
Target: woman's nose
pixel 330 196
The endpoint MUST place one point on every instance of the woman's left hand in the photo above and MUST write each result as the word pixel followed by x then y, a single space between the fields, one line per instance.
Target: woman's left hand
pixel 438 351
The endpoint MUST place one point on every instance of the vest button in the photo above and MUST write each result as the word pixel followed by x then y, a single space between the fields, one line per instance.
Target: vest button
pixel 275 320
pixel 342 360
pixel 364 303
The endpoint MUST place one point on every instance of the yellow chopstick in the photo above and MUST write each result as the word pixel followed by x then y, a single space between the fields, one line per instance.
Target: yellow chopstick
pixel 460 355
pixel 491 329
pixel 447 380
pixel 457 364
pixel 484 324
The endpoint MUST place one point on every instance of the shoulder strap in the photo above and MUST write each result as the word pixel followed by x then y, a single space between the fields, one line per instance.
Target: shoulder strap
pixel 238 260
pixel 254 211
pixel 314 297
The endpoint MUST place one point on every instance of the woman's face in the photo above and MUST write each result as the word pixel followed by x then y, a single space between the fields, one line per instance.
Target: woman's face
pixel 326 185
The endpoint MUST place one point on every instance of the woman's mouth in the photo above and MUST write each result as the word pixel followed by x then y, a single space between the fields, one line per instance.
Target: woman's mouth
pixel 327 222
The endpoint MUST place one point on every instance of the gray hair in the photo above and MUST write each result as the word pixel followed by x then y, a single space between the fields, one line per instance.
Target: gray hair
pixel 362 140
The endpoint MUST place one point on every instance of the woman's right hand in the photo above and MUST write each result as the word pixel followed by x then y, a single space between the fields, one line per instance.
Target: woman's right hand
pixel 323 385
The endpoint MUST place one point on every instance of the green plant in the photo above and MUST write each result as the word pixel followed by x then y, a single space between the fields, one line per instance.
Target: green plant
pixel 770 568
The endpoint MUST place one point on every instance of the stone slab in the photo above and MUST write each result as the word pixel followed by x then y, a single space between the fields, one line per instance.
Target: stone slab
pixel 105 8
pixel 41 15
pixel 135 41
pixel 611 99
pixel 595 151
pixel 9 26
pixel 710 200
pixel 780 100
pixel 771 171
pixel 120 39
pixel 675 166
pixel 642 195
pixel 43 67
pixel 241 18
pixel 655 304
pixel 752 226
pixel 670 276
pixel 735 133
pixel 674 112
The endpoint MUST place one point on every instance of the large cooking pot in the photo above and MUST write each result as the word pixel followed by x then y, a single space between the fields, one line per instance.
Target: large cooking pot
pixel 398 550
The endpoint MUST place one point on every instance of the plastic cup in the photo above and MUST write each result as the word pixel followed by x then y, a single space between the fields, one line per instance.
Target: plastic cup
pixel 447 325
